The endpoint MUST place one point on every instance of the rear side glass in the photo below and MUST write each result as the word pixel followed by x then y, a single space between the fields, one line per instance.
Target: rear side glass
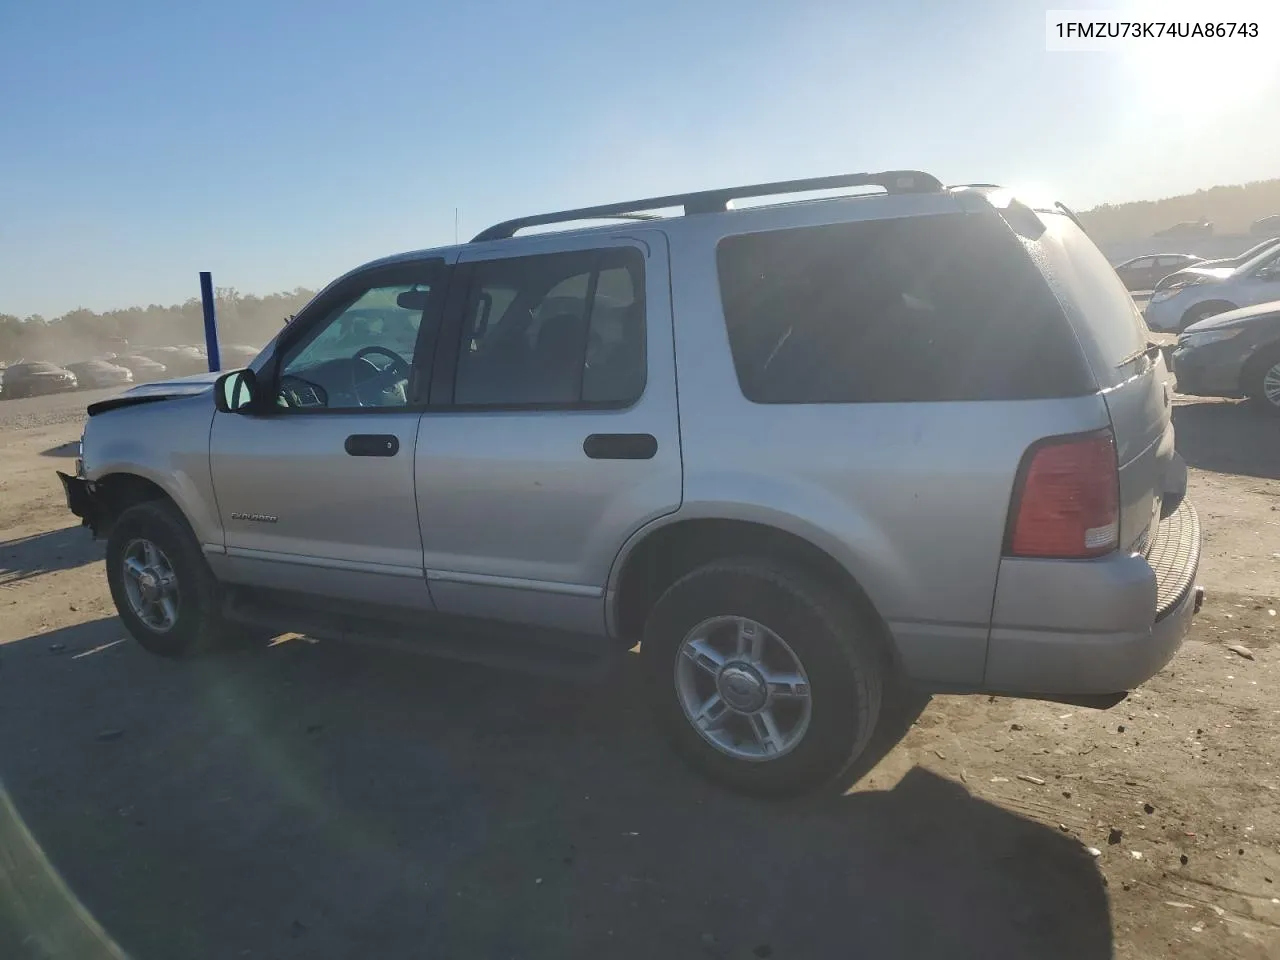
pixel 556 330
pixel 946 307
pixel 1086 283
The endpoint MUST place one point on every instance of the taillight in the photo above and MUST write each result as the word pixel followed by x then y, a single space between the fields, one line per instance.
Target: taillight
pixel 1066 503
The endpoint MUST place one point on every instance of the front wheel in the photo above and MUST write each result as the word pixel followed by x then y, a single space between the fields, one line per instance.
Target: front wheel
pixel 761 676
pixel 1263 381
pixel 163 589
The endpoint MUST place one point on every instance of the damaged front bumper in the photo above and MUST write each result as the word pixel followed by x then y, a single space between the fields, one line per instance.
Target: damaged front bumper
pixel 82 500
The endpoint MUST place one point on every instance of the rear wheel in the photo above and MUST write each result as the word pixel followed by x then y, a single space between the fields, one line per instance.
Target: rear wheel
pixel 762 677
pixel 162 587
pixel 1262 382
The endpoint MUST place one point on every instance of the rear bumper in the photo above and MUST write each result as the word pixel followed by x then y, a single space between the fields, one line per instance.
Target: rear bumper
pixel 1095 627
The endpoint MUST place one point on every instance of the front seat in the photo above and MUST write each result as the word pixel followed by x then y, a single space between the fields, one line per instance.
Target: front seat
pixel 556 372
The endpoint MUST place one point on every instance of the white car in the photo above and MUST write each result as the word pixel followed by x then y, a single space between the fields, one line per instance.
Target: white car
pixel 1193 294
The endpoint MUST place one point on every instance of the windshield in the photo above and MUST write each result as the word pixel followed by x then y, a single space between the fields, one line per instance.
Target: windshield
pixel 1258 248
pixel 1269 252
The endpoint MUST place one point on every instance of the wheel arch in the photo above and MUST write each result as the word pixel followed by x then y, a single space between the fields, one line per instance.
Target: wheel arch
pixel 1252 367
pixel 118 490
pixel 661 553
pixel 1199 311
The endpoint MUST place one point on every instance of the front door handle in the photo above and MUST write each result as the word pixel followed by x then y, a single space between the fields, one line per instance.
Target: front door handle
pixel 372 445
pixel 620 446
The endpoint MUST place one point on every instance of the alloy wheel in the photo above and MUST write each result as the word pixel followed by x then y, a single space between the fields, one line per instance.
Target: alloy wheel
pixel 150 585
pixel 743 688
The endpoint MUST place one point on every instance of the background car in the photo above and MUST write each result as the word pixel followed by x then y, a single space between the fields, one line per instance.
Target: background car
pixel 1233 354
pixel 100 373
pixel 1187 228
pixel 236 355
pixel 142 368
pixel 1200 292
pixel 1266 225
pixel 1143 273
pixel 1255 251
pixel 178 361
pixel 36 379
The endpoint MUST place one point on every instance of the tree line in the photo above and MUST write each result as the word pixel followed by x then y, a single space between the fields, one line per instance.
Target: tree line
pixel 1231 210
pixel 83 334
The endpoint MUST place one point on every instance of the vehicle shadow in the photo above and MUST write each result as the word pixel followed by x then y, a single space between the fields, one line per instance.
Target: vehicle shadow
pixel 322 800
pixel 69 449
pixel 40 553
pixel 1228 437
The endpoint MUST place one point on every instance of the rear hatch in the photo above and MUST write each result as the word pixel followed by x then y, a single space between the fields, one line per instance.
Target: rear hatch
pixel 1129 370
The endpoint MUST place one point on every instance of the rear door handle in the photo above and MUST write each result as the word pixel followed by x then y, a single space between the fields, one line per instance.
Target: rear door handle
pixel 620 446
pixel 372 445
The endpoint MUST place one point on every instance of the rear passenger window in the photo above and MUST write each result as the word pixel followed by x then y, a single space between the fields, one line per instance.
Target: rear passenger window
pixel 554 330
pixel 931 308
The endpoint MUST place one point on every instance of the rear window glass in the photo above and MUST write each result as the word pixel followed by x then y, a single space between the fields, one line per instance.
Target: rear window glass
pixel 932 308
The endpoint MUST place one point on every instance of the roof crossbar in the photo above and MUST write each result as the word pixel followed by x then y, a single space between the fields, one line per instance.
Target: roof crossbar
pixel 717 201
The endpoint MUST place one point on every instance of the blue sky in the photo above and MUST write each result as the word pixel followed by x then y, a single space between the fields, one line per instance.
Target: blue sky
pixel 280 143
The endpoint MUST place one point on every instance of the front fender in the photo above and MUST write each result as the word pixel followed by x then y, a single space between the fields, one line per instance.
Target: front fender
pixel 166 443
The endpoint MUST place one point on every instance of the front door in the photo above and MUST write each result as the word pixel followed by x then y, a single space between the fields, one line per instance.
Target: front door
pixel 316 488
pixel 553 433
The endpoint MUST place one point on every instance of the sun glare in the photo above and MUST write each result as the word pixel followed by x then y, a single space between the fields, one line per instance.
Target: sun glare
pixel 1181 77
pixel 1212 77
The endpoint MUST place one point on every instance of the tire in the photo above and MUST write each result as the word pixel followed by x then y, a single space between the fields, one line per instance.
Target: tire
pixel 837 653
pixel 1203 312
pixel 1263 377
pixel 197 625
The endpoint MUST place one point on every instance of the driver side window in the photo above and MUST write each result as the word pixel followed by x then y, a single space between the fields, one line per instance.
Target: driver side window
pixel 360 355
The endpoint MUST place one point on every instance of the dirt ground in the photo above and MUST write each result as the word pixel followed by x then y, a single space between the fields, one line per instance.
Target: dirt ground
pixel 315 800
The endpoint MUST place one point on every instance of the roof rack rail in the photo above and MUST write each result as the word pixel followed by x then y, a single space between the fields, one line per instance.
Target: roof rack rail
pixel 717 201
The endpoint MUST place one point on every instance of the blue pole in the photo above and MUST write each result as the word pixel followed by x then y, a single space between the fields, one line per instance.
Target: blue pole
pixel 210 321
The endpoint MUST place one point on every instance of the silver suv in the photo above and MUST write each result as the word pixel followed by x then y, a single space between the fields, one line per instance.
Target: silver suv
pixel 795 451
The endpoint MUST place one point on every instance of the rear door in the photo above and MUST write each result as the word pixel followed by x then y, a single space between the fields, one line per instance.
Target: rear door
pixel 1140 272
pixel 1164 266
pixel 1132 376
pixel 552 434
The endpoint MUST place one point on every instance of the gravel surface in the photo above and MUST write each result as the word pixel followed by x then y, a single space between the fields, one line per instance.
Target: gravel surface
pixel 30 412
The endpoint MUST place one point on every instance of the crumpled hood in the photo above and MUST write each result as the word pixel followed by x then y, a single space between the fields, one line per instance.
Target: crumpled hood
pixel 1235 317
pixel 159 390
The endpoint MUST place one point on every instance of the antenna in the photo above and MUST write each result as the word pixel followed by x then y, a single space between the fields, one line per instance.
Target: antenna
pixel 455 224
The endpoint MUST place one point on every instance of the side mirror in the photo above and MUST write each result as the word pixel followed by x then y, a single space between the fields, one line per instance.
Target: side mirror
pixel 236 392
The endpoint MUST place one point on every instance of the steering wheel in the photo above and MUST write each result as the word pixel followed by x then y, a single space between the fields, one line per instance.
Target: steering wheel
pixel 383 377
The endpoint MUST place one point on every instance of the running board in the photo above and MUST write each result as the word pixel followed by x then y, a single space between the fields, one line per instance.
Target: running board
pixel 575 658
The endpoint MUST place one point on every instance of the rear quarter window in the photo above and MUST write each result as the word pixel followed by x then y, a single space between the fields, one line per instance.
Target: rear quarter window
pixel 1095 298
pixel 943 307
